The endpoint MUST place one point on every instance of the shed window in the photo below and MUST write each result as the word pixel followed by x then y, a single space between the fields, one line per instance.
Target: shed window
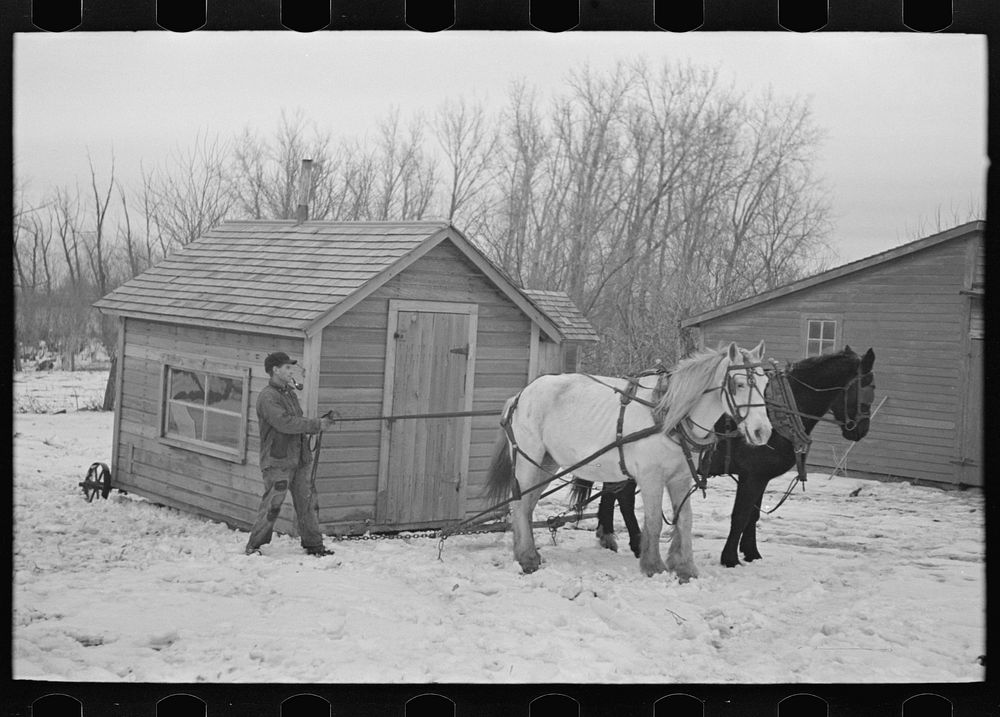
pixel 821 336
pixel 205 411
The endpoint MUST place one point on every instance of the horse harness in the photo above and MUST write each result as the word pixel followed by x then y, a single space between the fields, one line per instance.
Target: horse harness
pixel 627 395
pixel 865 396
pixel 786 420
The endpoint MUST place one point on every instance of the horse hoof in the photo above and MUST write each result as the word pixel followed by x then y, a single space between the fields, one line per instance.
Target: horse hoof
pixel 609 541
pixel 750 557
pixel 685 574
pixel 530 565
pixel 651 571
pixel 683 570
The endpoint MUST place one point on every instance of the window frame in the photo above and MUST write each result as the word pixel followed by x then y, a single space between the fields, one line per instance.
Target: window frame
pixel 206 368
pixel 837 322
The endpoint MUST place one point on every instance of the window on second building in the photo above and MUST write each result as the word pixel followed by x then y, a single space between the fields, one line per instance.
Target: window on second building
pixel 821 336
pixel 205 411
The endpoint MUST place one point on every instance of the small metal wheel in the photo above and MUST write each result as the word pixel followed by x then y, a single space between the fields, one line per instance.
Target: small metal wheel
pixel 98 480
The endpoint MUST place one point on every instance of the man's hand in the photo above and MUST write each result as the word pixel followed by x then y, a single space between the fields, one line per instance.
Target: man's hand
pixel 326 423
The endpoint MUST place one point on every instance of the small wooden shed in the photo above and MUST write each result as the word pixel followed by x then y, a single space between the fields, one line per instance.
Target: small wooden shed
pixel 920 306
pixel 385 319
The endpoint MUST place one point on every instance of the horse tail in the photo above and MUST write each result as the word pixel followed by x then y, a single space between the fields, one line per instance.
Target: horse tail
pixel 579 493
pixel 500 474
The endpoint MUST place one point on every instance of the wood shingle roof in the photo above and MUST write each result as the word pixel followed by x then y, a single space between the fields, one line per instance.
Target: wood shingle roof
pixel 573 325
pixel 284 277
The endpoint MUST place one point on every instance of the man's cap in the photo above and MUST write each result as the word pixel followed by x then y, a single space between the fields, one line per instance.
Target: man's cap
pixel 278 358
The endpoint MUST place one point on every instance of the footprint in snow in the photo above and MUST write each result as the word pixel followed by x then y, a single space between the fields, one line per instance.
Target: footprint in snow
pixel 164 640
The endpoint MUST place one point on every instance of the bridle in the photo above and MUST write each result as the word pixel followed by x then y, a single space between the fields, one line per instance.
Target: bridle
pixel 865 396
pixel 733 409
pixel 729 388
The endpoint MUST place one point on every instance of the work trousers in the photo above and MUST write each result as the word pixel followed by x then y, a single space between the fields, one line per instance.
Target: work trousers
pixel 278 482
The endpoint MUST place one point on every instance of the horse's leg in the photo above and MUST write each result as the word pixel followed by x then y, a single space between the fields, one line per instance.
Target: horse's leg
pixel 650 561
pixel 626 504
pixel 748 543
pixel 605 520
pixel 521 511
pixel 680 556
pixel 749 492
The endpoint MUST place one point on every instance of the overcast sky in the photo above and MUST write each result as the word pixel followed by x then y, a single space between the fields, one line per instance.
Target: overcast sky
pixel 904 114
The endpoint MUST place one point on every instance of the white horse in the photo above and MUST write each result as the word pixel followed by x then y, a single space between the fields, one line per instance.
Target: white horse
pixel 559 420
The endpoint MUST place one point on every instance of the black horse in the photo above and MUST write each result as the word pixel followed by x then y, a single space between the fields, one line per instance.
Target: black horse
pixel 622 492
pixel 841 383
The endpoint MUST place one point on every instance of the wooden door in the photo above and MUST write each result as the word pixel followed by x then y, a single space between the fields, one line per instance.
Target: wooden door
pixel 424 461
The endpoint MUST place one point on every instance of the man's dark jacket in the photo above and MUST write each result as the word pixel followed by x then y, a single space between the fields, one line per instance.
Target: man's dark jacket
pixel 283 443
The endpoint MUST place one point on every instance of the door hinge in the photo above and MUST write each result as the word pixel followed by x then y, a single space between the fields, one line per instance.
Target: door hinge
pixel 464 350
pixel 398 335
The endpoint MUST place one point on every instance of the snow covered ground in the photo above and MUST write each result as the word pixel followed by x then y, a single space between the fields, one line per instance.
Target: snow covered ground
pixel 884 586
pixel 52 391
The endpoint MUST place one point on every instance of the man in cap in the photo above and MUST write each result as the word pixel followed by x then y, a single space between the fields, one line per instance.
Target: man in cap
pixel 285 458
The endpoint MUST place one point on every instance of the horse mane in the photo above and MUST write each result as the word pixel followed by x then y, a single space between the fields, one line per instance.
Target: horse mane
pixel 808 365
pixel 688 380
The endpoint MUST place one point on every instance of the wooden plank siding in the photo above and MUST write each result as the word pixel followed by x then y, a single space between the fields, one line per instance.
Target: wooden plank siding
pixel 352 375
pixel 912 311
pixel 175 476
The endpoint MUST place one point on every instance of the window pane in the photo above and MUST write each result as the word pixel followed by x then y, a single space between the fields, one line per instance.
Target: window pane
pixel 814 329
pixel 183 420
pixel 813 348
pixel 829 330
pixel 225 393
pixel 223 429
pixel 186 386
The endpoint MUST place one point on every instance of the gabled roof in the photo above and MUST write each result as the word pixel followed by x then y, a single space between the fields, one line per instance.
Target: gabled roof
pixel 572 324
pixel 287 278
pixel 853 267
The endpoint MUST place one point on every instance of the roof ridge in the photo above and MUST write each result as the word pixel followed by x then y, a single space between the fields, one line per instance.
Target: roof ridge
pixel 897 252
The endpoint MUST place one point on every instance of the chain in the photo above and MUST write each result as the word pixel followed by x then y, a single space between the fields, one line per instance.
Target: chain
pixel 407 535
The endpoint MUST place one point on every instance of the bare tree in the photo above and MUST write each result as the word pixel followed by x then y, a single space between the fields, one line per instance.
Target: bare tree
pixel 359 184
pixel 192 192
pixel 649 195
pixel 97 249
pixel 66 219
pixel 405 176
pixel 126 236
pixel 265 171
pixel 470 146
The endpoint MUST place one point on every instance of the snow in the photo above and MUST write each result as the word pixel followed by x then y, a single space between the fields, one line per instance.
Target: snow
pixel 884 586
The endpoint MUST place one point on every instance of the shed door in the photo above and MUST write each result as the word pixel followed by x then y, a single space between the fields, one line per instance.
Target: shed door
pixel 424 463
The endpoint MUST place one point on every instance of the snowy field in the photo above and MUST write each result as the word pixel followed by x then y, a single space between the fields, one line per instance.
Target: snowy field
pixel 884 586
pixel 52 391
